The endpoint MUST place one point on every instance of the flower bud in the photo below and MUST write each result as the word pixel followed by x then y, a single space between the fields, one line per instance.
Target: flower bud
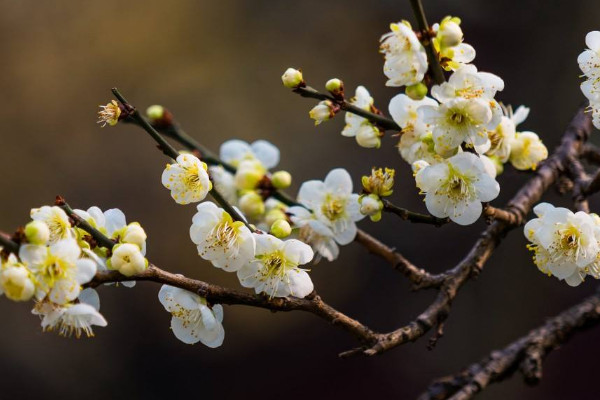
pixel 281 228
pixel 322 111
pixel 335 86
pixel 135 234
pixel 527 151
pixel 292 78
pixel 15 281
pixel 379 182
pixel 127 258
pixel 449 33
pixel 37 232
pixel 281 180
pixel 273 215
pixel 417 91
pixel 368 136
pixel 155 112
pixel 371 205
pixel 249 174
pixel 252 205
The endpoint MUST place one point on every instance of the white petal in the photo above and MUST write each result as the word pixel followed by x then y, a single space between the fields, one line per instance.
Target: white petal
pixel 338 181
pixel 266 153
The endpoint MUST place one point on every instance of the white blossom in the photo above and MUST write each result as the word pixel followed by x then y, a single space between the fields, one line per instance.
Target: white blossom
pixel 459 120
pixel 276 270
pixel 56 220
pixel 235 151
pixel 187 179
pixel 416 142
pixel 333 203
pixel 57 269
pixel 314 233
pixel 127 258
pixel 456 188
pixel 224 183
pixel 502 137
pixel 192 319
pixel 16 281
pixel 564 243
pixel 72 319
pixel 527 151
pixel 226 243
pixel 405 57
pixel 366 134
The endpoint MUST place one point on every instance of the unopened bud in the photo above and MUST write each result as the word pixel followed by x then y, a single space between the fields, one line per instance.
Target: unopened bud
pixel 292 78
pixel 281 180
pixel 135 234
pixel 37 232
pixel 371 205
pixel 252 205
pixel 417 91
pixel 450 34
pixel 281 228
pixel 322 111
pixel 335 86
pixel 273 215
pixel 368 136
pixel 127 258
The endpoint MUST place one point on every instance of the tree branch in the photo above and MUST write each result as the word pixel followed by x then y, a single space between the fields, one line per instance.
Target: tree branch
pixel 525 354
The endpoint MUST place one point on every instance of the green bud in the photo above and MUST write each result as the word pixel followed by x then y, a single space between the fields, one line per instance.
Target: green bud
pixel 281 228
pixel 335 86
pixel 281 180
pixel 37 232
pixel 155 112
pixel 252 205
pixel 292 78
pixel 417 91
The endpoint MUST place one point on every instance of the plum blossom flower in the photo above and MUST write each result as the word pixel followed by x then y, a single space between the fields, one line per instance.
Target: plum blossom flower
pixel 565 244
pixel 459 120
pixel 367 135
pixel 226 243
pixel 109 114
pixel 502 137
pixel 448 42
pixel 187 179
pixel 527 151
pixel 57 269
pixel 416 141
pixel 16 281
pixel 235 151
pixel 405 56
pixel 276 270
pixel 589 63
pixel 72 319
pixel 456 188
pixel 314 233
pixel 333 203
pixel 192 319
pixel 56 220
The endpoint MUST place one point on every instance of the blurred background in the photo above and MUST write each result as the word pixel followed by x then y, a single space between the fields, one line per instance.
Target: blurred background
pixel 217 66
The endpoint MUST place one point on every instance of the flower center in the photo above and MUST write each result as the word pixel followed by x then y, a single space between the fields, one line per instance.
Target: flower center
pixel 225 235
pixel 53 269
pixel 333 207
pixel 458 187
pixel 191 178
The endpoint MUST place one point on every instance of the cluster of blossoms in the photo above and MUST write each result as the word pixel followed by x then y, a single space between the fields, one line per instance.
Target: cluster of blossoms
pixel 56 258
pixel 457 140
pixel 589 62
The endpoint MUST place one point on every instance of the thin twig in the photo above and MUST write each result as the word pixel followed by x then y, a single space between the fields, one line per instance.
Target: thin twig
pixel 411 216
pixel 434 64
pixel 379 120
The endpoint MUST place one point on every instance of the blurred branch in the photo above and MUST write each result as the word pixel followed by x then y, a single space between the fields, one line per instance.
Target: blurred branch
pixel 434 64
pixel 525 354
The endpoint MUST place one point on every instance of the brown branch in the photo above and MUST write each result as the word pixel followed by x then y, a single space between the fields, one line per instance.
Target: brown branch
pixel 435 69
pixel 379 120
pixel 450 282
pixel 525 354
pixel 591 153
pixel 407 215
pixel 220 295
pixel 581 185
pixel 509 217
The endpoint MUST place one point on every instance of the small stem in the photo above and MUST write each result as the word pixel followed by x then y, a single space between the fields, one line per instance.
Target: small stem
pixel 8 244
pixel 79 222
pixel 379 120
pixel 171 152
pixel 135 114
pixel 434 64
pixel 413 216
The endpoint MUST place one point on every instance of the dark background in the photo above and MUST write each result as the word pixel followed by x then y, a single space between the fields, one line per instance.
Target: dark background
pixel 217 66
